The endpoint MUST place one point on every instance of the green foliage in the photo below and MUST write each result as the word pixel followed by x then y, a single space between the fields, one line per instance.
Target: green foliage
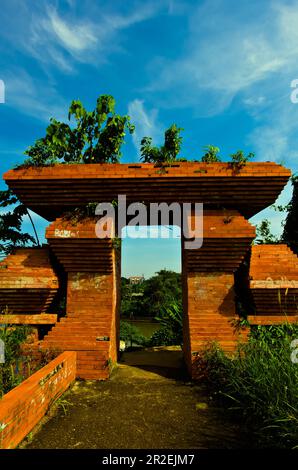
pixel 41 154
pixel 168 152
pixel 11 234
pixel 260 383
pixel 290 233
pixel 131 299
pixel 162 337
pixel 131 334
pixel 160 291
pixel 274 335
pixel 78 214
pixel 116 241
pixel 211 155
pixel 11 372
pixel 151 296
pixel 264 235
pixel 96 136
pixel 171 331
pixel 239 159
pixel 159 297
pixel 63 404
pixel 171 318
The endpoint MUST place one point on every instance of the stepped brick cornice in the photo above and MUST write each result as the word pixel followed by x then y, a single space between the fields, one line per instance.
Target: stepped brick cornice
pixel 28 282
pixel 50 191
pixel 227 237
pixel 77 247
pixel 273 280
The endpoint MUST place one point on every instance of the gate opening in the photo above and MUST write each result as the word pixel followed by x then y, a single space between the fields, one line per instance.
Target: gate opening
pixel 151 289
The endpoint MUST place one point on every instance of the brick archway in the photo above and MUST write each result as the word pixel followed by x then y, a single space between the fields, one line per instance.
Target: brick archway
pixel 92 265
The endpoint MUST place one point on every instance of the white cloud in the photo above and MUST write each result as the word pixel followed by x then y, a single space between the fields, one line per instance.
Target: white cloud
pixel 227 54
pixel 269 143
pixel 275 217
pixel 87 33
pixel 33 97
pixel 84 32
pixel 145 122
pixel 73 37
pixel 238 51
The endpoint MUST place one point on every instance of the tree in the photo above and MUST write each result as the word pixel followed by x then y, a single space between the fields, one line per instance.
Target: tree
pixel 166 153
pixel 96 137
pixel 11 234
pixel 264 235
pixel 161 290
pixel 290 233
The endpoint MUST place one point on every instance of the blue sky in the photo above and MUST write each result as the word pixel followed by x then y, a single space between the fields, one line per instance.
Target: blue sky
pixel 220 69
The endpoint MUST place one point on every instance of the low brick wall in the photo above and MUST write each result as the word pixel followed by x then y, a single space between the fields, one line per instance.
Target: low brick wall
pixel 24 406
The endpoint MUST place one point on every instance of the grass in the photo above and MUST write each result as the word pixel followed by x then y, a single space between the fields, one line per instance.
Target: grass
pixel 259 384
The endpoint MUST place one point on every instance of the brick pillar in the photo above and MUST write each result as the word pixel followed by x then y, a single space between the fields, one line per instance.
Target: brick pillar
pixel 91 325
pixel 208 282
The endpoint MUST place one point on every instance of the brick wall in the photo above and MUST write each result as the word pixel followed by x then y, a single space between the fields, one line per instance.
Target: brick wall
pixel 24 406
pixel 91 325
pixel 28 282
pixel 208 282
pixel 210 313
pixel 273 283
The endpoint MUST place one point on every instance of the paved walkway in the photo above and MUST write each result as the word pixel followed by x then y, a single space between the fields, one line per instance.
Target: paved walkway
pixel 148 403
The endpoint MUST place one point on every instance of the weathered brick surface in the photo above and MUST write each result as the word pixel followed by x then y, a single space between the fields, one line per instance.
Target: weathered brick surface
pixel 227 237
pixel 49 191
pixel 91 325
pixel 210 313
pixel 208 288
pixel 40 319
pixel 28 282
pixel 77 247
pixel 23 407
pixel 273 281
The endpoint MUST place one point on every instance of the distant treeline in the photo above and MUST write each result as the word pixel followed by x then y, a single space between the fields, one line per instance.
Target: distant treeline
pixel 151 296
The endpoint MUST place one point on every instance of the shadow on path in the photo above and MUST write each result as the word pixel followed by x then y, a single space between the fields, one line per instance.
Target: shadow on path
pixel 148 403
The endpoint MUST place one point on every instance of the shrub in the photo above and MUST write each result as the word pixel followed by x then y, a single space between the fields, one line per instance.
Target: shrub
pixel 131 334
pixel 163 337
pixel 166 153
pixel 211 155
pixel 12 371
pixel 260 383
pixel 171 332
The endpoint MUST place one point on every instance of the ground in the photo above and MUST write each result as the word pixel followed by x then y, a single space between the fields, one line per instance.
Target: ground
pixel 148 403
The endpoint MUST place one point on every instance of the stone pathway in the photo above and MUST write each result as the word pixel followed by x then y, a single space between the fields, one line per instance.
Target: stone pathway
pixel 148 403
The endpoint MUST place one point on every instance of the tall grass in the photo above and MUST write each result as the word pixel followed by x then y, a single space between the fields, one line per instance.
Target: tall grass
pixel 260 383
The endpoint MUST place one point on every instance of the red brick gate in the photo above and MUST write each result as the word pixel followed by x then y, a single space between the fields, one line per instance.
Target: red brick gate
pixel 230 196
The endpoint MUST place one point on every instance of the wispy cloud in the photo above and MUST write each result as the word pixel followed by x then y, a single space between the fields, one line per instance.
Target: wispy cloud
pixel 33 96
pixel 84 32
pixel 226 55
pixel 74 37
pixel 238 52
pixel 145 121
pixel 276 218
